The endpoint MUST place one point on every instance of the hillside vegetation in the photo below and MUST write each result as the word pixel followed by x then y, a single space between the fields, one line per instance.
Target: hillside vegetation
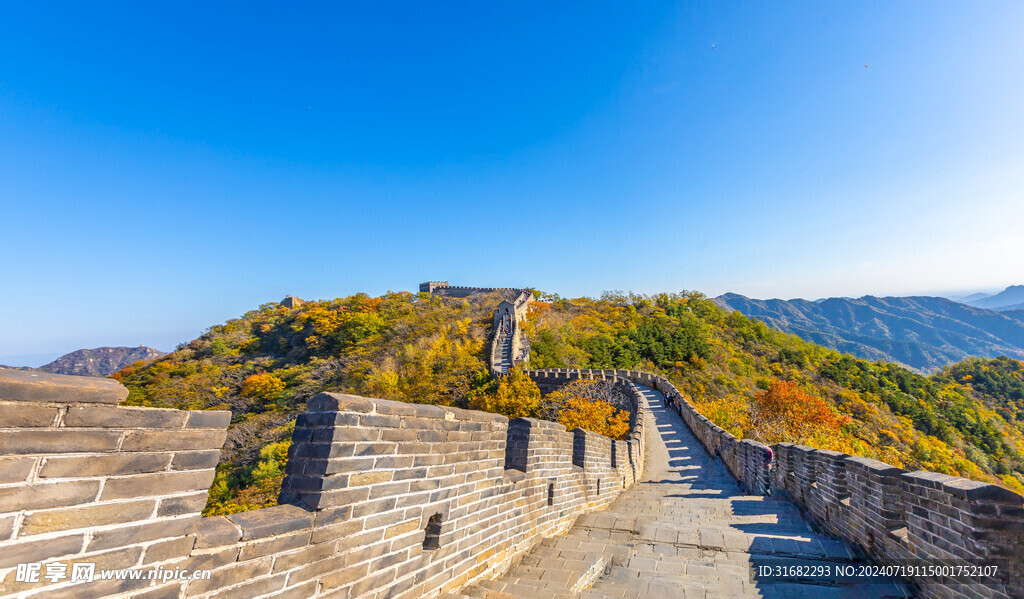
pixel 752 380
pixel 771 386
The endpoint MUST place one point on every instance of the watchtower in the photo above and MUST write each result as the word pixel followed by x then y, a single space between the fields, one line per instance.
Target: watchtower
pixel 430 286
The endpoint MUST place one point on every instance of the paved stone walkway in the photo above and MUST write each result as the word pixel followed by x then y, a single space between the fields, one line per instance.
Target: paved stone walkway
pixel 685 530
pixel 505 345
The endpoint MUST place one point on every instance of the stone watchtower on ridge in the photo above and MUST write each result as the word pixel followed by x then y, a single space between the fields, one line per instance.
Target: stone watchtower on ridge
pixel 430 286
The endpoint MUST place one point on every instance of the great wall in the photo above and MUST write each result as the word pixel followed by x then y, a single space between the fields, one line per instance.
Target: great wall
pixel 388 499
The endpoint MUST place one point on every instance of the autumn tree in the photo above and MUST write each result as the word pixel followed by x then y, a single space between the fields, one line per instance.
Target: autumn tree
pixel 262 386
pixel 598 416
pixel 516 396
pixel 588 404
pixel 785 413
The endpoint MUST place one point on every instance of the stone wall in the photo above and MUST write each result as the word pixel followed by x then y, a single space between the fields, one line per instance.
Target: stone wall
pixel 84 480
pixel 893 516
pixel 443 288
pixel 380 498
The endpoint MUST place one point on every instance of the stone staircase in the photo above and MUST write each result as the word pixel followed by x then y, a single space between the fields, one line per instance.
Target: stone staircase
pixel 505 348
pixel 687 530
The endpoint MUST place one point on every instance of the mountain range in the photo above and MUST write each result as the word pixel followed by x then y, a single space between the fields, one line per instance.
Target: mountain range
pixel 1011 298
pixel 100 361
pixel 923 333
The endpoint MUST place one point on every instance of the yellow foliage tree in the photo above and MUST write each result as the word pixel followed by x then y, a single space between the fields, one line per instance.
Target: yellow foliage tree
pixel 517 396
pixel 262 385
pixel 598 416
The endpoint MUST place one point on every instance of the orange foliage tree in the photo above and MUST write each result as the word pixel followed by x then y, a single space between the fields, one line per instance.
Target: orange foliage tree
pixel 587 404
pixel 785 413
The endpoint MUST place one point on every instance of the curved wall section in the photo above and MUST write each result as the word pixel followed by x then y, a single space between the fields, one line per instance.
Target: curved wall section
pixel 895 517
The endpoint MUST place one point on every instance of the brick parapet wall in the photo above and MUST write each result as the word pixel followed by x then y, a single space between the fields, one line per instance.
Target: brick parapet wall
pixel 893 515
pixel 84 480
pixel 381 498
pixel 890 514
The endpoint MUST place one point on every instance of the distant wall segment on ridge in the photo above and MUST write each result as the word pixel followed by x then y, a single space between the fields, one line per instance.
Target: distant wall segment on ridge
pixel 892 515
pixel 380 498
pixel 443 288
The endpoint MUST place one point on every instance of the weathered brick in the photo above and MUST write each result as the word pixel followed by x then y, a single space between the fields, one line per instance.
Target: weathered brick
pixel 173 440
pixel 162 551
pixel 275 545
pixel 35 386
pixel 252 588
pixel 111 417
pixel 195 460
pixel 27 441
pixel 307 555
pixel 20 415
pixel 182 504
pixel 345 576
pixel 209 419
pixel 111 465
pixel 369 478
pixel 7 527
pixel 20 552
pixel 151 530
pixel 401 529
pixel 42 496
pixel 230 575
pixel 16 470
pixel 99 514
pixel 301 591
pixel 215 531
pixel 330 532
pixel 271 521
pixel 162 483
pixel 340 402
pixel 213 559
pixel 171 591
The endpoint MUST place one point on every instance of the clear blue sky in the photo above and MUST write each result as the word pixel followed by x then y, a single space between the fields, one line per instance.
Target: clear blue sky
pixel 166 168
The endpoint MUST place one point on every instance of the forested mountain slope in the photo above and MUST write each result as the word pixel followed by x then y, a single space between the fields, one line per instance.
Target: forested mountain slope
pixel 752 380
pixel 923 333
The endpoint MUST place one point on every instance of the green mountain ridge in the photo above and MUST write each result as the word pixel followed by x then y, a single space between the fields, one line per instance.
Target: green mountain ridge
pixel 418 348
pixel 922 333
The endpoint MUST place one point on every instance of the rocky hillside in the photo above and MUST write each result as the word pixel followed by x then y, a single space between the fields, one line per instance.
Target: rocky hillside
pixel 101 361
pixel 923 333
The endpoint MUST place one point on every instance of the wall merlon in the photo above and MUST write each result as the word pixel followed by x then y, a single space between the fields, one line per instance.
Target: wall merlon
pixel 34 386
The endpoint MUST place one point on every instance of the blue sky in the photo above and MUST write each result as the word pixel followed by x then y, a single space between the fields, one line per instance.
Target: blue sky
pixel 166 168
